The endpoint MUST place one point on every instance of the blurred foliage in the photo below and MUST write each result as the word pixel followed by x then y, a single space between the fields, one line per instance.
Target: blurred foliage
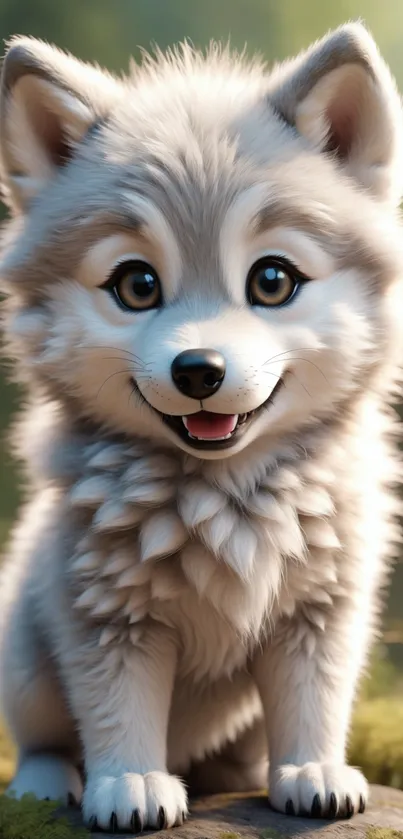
pixel 376 743
pixel 382 677
pixel 108 33
pixel 7 758
pixel 99 30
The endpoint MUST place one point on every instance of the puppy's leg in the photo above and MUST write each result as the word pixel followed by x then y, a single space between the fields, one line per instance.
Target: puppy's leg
pixel 240 766
pixel 121 698
pixel 37 715
pixel 307 679
pixel 47 775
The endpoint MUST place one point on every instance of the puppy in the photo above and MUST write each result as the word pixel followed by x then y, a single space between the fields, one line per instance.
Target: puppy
pixel 203 293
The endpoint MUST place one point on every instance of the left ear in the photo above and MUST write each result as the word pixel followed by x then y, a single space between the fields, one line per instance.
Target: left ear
pixel 341 96
pixel 48 102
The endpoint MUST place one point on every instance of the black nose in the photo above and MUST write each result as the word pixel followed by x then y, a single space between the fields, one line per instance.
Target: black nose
pixel 198 373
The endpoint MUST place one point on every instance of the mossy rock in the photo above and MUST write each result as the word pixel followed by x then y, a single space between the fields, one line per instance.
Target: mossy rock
pixel 215 817
pixel 383 833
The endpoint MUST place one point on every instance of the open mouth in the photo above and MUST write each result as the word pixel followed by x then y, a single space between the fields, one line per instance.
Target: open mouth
pixel 210 430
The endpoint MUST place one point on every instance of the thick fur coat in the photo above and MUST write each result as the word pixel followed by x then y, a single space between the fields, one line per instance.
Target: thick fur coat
pixel 173 605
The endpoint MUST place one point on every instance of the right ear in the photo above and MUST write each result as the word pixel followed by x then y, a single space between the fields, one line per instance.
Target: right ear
pixel 48 102
pixel 341 97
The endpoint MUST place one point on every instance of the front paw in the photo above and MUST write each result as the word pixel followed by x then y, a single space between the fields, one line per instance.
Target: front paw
pixel 132 802
pixel 319 790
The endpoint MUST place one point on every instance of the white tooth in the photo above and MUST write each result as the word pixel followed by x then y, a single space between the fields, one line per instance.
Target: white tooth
pixel 213 439
pixel 185 422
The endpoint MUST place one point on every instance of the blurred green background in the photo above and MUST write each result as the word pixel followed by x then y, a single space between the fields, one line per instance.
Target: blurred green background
pixel 108 32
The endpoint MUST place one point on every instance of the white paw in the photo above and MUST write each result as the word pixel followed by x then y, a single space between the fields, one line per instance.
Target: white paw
pixel 131 802
pixel 47 776
pixel 320 790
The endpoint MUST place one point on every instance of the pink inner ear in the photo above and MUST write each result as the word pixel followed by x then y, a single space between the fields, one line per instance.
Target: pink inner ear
pixel 48 129
pixel 342 116
pixel 341 131
pixel 58 146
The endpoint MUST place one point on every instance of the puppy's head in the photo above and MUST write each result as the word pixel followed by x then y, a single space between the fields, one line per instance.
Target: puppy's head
pixel 202 253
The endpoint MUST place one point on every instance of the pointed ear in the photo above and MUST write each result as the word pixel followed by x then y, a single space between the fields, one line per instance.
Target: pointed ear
pixel 341 96
pixel 48 102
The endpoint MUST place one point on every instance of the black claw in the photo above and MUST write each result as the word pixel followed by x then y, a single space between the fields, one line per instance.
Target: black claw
pixel 136 822
pixel 361 808
pixel 71 800
pixel 93 824
pixel 349 807
pixel 332 806
pixel 289 808
pixel 316 809
pixel 113 824
pixel 162 819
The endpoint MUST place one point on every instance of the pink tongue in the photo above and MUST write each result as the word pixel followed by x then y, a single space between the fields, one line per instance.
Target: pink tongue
pixel 210 426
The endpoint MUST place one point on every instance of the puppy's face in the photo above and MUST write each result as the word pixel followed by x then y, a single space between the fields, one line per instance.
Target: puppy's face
pixel 256 337
pixel 215 278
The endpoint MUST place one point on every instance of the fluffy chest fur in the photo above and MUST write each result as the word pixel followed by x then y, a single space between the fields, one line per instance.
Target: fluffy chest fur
pixel 217 554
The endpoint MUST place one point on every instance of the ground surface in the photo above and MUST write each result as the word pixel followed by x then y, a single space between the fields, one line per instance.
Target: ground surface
pixel 249 817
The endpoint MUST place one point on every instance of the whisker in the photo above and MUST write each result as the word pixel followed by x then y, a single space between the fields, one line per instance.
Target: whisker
pixel 116 373
pixel 128 371
pixel 119 358
pixel 292 373
pixel 286 352
pixel 116 349
pixel 289 373
pixel 306 361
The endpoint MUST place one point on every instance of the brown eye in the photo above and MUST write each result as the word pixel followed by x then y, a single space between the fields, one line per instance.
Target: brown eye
pixel 272 282
pixel 136 286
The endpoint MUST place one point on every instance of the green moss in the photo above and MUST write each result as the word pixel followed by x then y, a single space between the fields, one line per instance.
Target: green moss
pixel 383 833
pixel 228 834
pixel 376 743
pixel 272 833
pixel 29 818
